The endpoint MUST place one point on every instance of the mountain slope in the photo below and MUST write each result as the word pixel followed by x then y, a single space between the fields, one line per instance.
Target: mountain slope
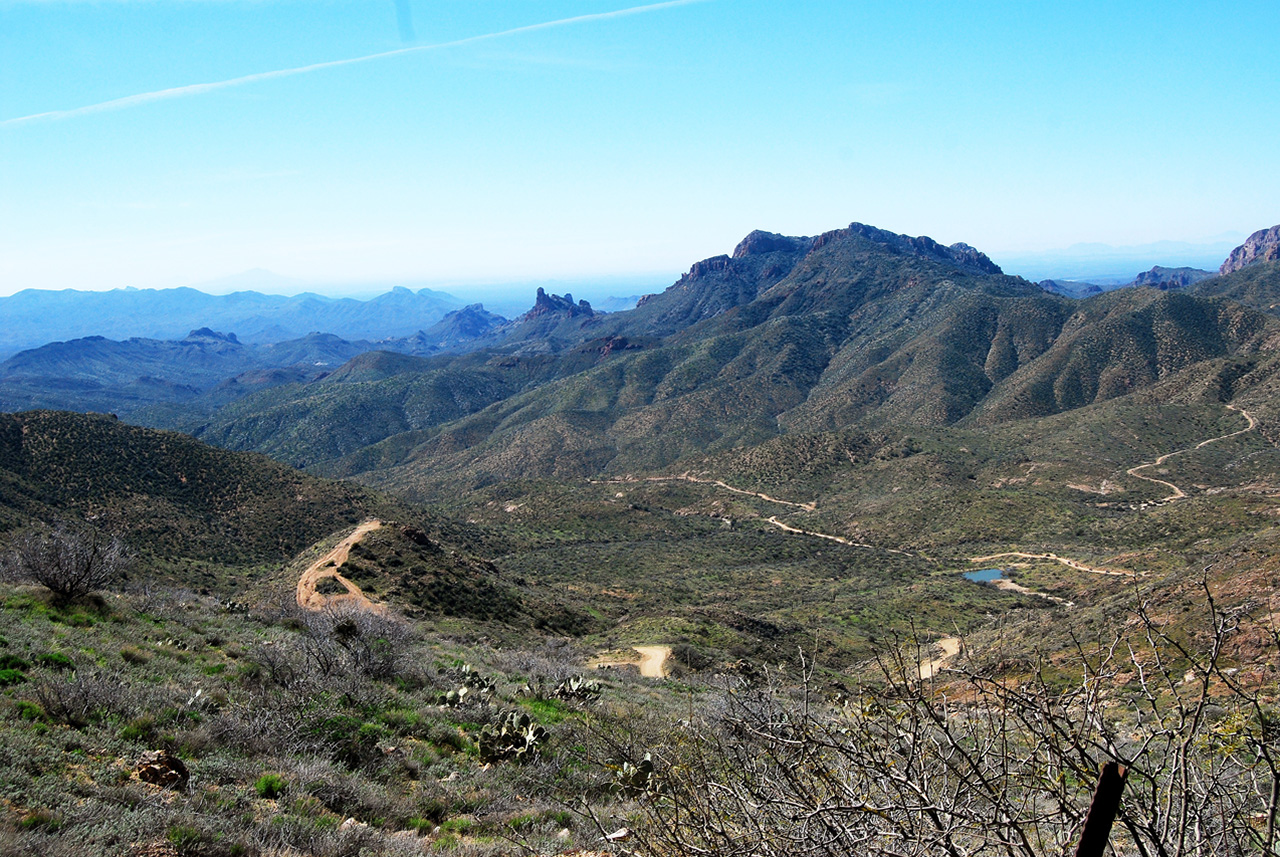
pixel 166 493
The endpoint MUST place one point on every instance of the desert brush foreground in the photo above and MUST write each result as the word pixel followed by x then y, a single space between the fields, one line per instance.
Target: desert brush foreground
pixel 685 580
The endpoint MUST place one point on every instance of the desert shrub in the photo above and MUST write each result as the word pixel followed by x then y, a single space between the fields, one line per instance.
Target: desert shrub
pixel 81 699
pixel 69 563
pixel 13 662
pixel 902 767
pixel 270 786
pixel 134 655
pixel 141 728
pixel 55 661
pixel 691 656
pixel 11 677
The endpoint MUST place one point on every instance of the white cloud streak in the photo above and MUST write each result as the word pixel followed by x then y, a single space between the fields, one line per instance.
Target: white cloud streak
pixel 201 88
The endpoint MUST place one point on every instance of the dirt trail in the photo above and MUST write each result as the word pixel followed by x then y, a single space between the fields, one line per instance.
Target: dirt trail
pixel 950 647
pixel 786 528
pixel 652 661
pixel 685 477
pixel 1178 493
pixel 1070 563
pixel 327 566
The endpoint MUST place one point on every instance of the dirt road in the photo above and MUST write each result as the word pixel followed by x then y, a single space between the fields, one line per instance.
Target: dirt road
pixel 685 477
pixel 787 528
pixel 327 566
pixel 1070 563
pixel 652 661
pixel 950 647
pixel 1178 493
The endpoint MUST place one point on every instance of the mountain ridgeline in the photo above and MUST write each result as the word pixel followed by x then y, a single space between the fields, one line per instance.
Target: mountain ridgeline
pixel 853 328
pixel 857 327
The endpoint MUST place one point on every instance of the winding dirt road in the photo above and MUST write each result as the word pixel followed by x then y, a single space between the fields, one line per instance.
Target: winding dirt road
pixel 1070 563
pixel 652 661
pixel 327 566
pixel 685 477
pixel 950 647
pixel 787 528
pixel 1178 493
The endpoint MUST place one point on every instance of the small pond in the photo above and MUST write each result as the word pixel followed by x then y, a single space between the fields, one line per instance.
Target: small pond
pixel 985 575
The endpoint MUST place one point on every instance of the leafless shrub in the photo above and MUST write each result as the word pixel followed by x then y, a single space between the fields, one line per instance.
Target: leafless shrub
pixel 348 638
pixel 985 763
pixel 83 698
pixel 69 563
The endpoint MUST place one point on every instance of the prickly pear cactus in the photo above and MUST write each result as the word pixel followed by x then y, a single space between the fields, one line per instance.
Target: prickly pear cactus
pixel 635 780
pixel 472 687
pixel 577 689
pixel 515 737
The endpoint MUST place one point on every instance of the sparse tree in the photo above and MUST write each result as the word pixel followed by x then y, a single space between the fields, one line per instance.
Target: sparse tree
pixel 68 562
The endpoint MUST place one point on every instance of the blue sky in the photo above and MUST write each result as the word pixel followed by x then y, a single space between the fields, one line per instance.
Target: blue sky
pixel 613 145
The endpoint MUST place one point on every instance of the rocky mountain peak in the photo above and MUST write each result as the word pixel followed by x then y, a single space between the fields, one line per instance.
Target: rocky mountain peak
pixel 760 241
pixel 204 333
pixel 1261 246
pixel 545 304
pixel 959 254
pixel 1171 278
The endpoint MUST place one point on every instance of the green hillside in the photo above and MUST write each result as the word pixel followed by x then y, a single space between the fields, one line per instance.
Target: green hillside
pixel 170 496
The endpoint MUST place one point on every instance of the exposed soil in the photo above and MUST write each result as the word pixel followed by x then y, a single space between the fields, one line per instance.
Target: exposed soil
pixel 651 661
pixel 950 647
pixel 326 568
pixel 1070 563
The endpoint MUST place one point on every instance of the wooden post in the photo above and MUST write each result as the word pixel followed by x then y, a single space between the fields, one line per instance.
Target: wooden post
pixel 1102 812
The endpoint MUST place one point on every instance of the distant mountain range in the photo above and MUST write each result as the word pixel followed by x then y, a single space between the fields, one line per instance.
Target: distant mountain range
pixel 35 317
pixel 855 327
pixel 1158 277
pixel 1114 265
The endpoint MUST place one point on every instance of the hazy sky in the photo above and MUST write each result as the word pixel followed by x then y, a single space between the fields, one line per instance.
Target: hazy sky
pixel 159 142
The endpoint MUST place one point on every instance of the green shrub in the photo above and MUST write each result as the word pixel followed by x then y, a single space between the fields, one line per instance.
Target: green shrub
pixel 184 838
pixel 13 662
pixel 78 619
pixel 55 661
pixel 270 786
pixel 10 677
pixel 422 825
pixel 40 818
pixel 28 710
pixel 141 728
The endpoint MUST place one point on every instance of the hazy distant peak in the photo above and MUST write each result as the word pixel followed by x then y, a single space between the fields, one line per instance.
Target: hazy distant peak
pixel 1261 246
pixel 206 333
pixel 1162 277
pixel 545 303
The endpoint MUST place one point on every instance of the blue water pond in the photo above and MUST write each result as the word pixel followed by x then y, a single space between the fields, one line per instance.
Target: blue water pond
pixel 985 575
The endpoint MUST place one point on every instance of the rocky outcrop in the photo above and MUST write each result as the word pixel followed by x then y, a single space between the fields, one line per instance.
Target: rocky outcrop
pixel 545 304
pixel 960 254
pixel 760 241
pixel 1261 246
pixel 161 768
pixel 1171 278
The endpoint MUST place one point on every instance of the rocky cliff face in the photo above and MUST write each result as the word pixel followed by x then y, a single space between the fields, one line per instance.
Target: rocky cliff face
pixel 1261 246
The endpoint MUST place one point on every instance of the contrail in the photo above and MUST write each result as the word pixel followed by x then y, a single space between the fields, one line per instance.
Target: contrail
pixel 201 88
